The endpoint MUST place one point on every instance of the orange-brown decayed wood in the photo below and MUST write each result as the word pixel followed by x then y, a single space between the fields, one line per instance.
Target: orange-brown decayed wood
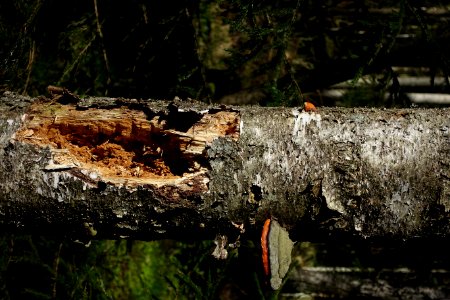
pixel 126 146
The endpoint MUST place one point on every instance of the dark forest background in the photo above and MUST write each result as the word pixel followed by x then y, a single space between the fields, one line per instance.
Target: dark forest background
pixel 266 52
pixel 234 52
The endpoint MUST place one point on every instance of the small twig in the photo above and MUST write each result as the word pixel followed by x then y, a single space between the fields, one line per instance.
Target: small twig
pixel 289 68
pixel 56 264
pixel 100 34
pixel 30 66
pixel 31 56
pixel 70 68
pixel 291 74
pixel 200 59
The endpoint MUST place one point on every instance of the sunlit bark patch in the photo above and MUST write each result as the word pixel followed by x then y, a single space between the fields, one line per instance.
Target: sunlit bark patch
pixel 127 146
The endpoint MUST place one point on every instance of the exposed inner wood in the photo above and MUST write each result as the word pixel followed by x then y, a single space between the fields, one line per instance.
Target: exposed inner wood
pixel 121 145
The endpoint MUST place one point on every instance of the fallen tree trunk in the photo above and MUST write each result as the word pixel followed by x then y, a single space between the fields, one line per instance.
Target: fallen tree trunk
pixel 116 168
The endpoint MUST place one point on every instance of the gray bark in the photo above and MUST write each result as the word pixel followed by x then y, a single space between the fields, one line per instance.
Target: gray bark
pixel 362 172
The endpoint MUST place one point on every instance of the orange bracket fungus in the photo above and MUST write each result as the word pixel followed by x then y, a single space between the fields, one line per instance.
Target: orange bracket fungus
pixel 308 106
pixel 276 252
pixel 265 247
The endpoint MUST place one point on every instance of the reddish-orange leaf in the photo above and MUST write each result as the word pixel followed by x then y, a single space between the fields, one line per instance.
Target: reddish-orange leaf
pixel 265 247
pixel 309 107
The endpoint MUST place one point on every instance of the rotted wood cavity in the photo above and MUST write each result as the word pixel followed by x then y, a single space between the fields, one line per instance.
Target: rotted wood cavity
pixel 127 146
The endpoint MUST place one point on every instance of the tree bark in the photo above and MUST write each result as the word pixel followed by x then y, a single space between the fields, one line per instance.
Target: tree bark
pixel 117 168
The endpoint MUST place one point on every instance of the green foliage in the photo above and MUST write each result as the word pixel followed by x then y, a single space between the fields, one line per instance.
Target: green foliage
pixel 386 41
pixel 42 268
pixel 201 276
pixel 265 31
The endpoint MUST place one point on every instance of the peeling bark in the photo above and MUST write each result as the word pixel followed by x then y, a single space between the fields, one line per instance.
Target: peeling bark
pixel 114 168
